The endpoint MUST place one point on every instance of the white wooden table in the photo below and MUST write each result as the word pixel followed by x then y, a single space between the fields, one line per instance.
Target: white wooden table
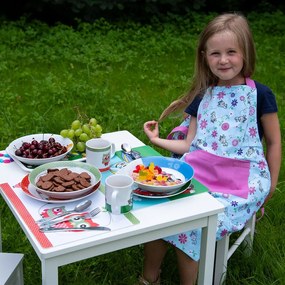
pixel 157 221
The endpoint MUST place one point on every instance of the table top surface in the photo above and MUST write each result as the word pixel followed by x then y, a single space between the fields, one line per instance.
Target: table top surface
pixel 154 214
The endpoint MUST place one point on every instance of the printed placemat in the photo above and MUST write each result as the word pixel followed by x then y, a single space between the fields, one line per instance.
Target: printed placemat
pixel 39 210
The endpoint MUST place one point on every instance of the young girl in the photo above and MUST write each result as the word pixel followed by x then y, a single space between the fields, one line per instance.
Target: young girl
pixel 230 115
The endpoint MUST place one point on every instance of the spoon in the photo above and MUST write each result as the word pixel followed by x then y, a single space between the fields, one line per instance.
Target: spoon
pixel 78 208
pixel 127 149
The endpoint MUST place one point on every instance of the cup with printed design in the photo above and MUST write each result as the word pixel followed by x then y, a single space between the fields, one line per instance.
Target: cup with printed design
pixel 99 153
pixel 119 194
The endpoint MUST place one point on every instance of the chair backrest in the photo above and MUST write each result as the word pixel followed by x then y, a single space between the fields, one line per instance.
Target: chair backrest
pixel 11 268
pixel 179 133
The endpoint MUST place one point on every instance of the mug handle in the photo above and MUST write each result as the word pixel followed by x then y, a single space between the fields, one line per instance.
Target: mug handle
pixel 113 150
pixel 113 201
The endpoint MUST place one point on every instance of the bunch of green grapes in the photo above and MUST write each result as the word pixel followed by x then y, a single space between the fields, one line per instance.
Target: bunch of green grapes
pixel 80 132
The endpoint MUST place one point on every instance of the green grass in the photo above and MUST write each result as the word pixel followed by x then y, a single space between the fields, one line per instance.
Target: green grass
pixel 125 74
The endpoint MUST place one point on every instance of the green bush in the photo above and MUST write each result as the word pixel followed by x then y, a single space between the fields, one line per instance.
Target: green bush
pixel 67 11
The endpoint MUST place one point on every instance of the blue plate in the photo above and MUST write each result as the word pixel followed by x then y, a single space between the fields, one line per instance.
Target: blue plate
pixel 179 169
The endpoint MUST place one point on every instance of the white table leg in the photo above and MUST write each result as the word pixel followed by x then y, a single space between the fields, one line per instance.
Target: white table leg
pixel 207 255
pixel 49 272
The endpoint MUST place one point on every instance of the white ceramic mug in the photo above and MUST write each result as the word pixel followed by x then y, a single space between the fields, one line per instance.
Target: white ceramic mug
pixel 99 152
pixel 119 193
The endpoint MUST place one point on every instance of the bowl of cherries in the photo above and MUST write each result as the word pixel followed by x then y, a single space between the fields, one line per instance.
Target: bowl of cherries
pixel 38 149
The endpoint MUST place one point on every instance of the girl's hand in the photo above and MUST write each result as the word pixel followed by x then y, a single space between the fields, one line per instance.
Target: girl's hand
pixel 151 130
pixel 177 146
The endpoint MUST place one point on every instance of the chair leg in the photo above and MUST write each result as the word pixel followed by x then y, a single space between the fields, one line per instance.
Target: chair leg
pixel 221 260
pixel 249 238
pixel 223 252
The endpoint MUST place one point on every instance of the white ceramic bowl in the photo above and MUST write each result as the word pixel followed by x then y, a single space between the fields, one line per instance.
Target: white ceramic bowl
pixel 176 167
pixel 77 167
pixel 38 161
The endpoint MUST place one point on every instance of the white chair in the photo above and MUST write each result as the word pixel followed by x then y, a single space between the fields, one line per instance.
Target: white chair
pixel 11 269
pixel 223 252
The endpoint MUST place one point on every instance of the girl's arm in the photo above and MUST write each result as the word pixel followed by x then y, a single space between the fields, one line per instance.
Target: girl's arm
pixel 272 136
pixel 151 129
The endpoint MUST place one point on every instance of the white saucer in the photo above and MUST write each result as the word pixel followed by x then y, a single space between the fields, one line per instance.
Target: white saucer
pixel 152 195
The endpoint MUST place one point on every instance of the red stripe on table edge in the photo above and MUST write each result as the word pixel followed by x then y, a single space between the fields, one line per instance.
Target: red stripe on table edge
pixel 26 216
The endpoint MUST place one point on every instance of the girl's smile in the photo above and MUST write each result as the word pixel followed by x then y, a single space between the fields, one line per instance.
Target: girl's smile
pixel 225 58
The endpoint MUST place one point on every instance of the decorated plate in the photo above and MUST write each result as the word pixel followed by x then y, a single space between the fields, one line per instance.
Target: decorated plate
pixel 32 192
pixel 176 168
pixel 75 167
pixel 151 195
pixel 71 156
pixel 58 139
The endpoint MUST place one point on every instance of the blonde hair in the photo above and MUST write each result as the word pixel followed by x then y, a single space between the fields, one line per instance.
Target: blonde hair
pixel 203 77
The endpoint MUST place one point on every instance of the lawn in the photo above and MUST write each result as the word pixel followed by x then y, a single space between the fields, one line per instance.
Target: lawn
pixel 124 74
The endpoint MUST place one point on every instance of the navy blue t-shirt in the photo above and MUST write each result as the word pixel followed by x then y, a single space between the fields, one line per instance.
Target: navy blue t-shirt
pixel 266 103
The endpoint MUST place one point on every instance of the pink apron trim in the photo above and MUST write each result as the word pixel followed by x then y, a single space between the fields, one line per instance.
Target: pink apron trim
pixel 249 82
pixel 220 174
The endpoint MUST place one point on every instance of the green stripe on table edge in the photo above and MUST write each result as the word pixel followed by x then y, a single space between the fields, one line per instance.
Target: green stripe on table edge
pixel 132 218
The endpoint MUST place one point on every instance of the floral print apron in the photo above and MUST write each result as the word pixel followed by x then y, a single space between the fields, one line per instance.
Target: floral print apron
pixel 227 156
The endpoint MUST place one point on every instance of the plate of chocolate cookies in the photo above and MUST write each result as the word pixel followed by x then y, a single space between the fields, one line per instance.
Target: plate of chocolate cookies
pixel 64 180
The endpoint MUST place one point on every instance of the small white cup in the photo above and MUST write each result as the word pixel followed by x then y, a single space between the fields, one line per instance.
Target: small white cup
pixel 99 153
pixel 119 193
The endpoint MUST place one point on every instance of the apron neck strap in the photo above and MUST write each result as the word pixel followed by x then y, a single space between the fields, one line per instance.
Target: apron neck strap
pixel 249 82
